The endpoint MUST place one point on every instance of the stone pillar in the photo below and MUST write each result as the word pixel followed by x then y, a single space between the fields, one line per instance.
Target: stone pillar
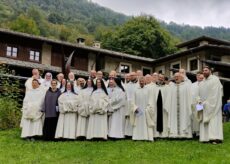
pixel 91 61
pixel 46 54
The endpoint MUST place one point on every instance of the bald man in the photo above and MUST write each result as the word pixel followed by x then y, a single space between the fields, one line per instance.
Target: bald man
pixel 130 91
pixel 35 75
pixel 178 105
pixel 184 76
pixel 142 113
pixel 60 77
pixel 195 95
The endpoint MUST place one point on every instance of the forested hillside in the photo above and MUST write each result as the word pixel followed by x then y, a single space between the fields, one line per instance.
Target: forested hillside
pixel 61 19
pixel 187 32
pixel 68 19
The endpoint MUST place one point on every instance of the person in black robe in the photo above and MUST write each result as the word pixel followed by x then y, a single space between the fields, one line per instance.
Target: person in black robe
pixel 50 108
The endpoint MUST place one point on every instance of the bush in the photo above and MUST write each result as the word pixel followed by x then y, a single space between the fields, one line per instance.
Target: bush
pixel 10 100
pixel 10 113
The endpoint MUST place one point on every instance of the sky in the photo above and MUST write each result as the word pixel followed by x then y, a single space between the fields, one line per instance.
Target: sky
pixel 193 12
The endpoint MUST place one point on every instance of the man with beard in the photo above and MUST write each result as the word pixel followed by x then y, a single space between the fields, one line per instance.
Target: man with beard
pixel 210 91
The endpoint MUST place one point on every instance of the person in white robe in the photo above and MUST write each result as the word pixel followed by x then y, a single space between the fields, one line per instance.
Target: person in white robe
pixel 130 92
pixel 142 116
pixel 161 119
pixel 35 75
pixel 116 113
pixel 98 119
pixel 178 106
pixel 99 75
pixel 60 77
pixel 195 95
pixel 63 85
pixel 185 78
pixel 68 103
pixel 127 79
pixel 83 111
pixel 92 75
pixel 32 122
pixel 210 92
pixel 47 81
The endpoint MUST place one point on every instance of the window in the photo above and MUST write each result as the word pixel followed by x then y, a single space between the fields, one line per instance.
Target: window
pixel 35 55
pixel 160 69
pixel 11 51
pixel 193 64
pixel 100 62
pixel 175 66
pixel 146 70
pixel 125 68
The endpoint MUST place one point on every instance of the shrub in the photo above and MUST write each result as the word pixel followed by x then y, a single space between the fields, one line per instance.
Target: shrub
pixel 10 100
pixel 10 113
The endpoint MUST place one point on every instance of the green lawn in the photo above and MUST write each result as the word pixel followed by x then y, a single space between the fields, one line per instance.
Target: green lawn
pixel 15 150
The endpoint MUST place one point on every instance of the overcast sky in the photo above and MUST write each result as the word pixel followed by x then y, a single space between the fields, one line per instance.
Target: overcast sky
pixel 194 12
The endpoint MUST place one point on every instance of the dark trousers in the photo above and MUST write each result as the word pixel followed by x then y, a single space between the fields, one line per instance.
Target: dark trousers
pixel 49 128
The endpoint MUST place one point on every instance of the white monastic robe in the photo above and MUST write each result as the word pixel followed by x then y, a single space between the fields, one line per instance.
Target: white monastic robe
pixel 178 106
pixel 130 92
pixel 143 121
pixel 69 104
pixel 46 84
pixel 163 91
pixel 32 122
pixel 187 80
pixel 83 111
pixel 28 83
pixel 195 95
pixel 98 122
pixel 211 93
pixel 116 110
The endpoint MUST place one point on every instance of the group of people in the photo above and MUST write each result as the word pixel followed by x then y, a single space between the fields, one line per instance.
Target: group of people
pixel 138 107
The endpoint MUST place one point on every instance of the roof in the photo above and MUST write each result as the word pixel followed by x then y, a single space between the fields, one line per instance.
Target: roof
pixel 217 63
pixel 20 63
pixel 191 50
pixel 53 41
pixel 203 38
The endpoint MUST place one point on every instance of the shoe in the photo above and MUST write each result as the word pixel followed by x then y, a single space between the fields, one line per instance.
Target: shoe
pixel 214 143
pixel 32 139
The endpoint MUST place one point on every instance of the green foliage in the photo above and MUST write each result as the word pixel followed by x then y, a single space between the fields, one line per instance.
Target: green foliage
pixel 69 19
pixel 57 18
pixel 187 32
pixel 124 151
pixel 10 113
pixel 142 36
pixel 25 24
pixel 10 100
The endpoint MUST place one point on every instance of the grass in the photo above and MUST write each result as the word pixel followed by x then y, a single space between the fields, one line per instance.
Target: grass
pixel 15 150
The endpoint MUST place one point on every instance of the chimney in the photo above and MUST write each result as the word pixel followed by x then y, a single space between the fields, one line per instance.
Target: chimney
pixel 81 41
pixel 97 44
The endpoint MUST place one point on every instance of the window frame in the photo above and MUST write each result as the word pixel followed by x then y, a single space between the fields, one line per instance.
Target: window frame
pixel 189 66
pixel 12 52
pixel 174 63
pixel 34 55
pixel 160 68
pixel 149 68
pixel 128 64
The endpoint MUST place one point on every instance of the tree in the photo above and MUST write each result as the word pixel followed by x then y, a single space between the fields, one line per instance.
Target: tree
pixel 141 36
pixel 25 24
